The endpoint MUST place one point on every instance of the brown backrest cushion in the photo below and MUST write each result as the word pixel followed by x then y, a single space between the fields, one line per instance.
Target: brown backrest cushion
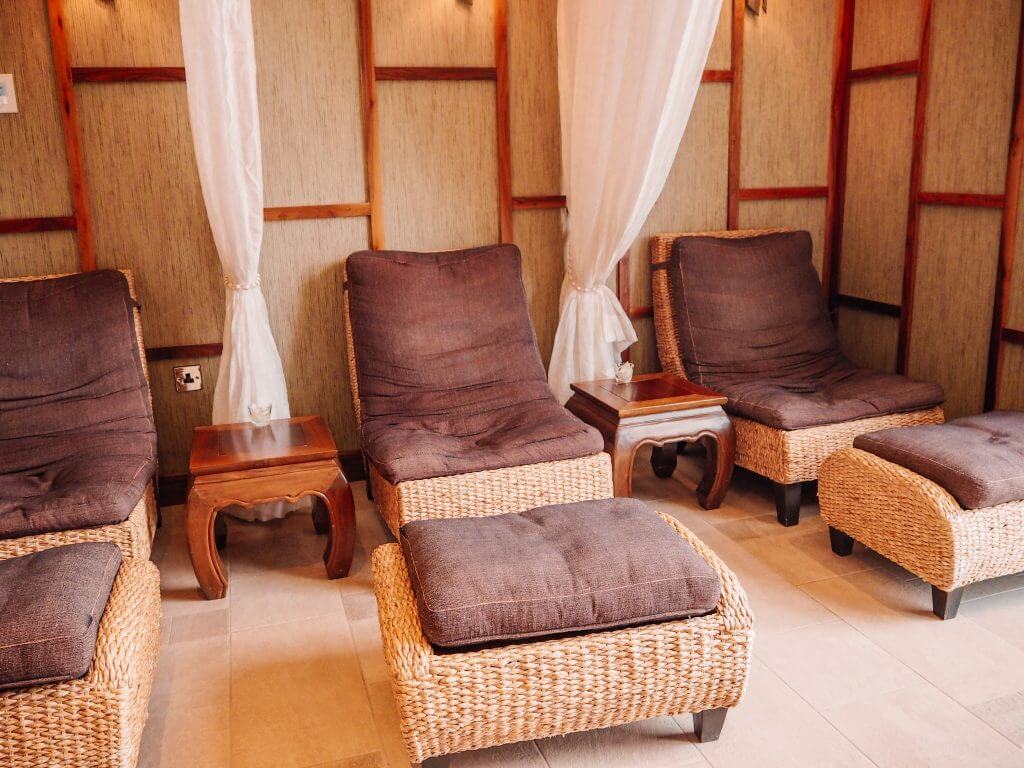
pixel 51 603
pixel 978 459
pixel 438 332
pixel 70 365
pixel 750 307
pixel 556 569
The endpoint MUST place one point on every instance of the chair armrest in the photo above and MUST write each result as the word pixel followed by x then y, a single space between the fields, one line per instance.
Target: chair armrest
pixel 406 649
pixel 128 639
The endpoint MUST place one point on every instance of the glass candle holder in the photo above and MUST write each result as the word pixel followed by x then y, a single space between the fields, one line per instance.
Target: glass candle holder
pixel 259 413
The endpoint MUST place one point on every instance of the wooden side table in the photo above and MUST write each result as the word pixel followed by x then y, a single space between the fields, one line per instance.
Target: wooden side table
pixel 661 409
pixel 247 465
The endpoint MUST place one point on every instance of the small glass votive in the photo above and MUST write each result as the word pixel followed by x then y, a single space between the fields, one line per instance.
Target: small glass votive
pixel 259 413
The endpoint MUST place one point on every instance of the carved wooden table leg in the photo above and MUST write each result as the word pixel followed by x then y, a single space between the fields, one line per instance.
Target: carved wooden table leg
pixel 720 446
pixel 623 451
pixel 664 459
pixel 341 540
pixel 206 562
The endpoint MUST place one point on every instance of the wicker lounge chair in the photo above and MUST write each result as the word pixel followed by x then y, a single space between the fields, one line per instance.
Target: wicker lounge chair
pixel 787 456
pixel 134 535
pixel 422 312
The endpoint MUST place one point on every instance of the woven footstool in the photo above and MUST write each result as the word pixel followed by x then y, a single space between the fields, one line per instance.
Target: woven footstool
pixel 79 639
pixel 946 501
pixel 482 662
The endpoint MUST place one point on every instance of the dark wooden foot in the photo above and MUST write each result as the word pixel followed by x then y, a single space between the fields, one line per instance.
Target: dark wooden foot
pixel 787 502
pixel 842 544
pixel 708 724
pixel 220 531
pixel 321 519
pixel 366 474
pixel 663 460
pixel 946 604
pixel 719 460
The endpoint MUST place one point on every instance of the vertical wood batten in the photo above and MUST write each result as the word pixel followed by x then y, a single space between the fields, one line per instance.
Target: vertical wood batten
pixel 839 130
pixel 371 132
pixel 739 9
pixel 503 120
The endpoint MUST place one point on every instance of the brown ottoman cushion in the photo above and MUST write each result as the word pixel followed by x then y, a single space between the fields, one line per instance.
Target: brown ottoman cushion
pixel 51 603
pixel 978 459
pixel 556 569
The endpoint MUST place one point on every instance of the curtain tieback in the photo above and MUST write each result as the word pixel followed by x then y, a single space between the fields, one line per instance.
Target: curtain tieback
pixel 242 286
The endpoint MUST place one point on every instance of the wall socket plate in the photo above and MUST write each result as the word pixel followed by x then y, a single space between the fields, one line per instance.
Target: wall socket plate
pixel 8 98
pixel 188 378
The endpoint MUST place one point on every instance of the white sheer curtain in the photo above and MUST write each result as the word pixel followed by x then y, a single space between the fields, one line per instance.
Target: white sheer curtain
pixel 220 66
pixel 628 74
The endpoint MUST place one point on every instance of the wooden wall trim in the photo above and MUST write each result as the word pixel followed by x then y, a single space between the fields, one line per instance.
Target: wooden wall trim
pixel 37 224
pixel 781 193
pixel 716 76
pixel 739 10
pixel 436 73
pixel 965 199
pixel 72 143
pixel 327 211
pixel 868 305
pixel 537 202
pixel 896 69
pixel 502 121
pixel 183 351
pixel 839 133
pixel 371 131
pixel 1007 238
pixel 639 313
pixel 128 74
pixel 916 174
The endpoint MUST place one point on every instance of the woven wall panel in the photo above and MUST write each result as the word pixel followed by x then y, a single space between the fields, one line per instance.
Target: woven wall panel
pixel 1015 316
pixel 1011 389
pixel 435 33
pixel 541 240
pixel 123 33
pixel 178 413
pixel 806 214
pixel 868 338
pixel 38 253
pixel 886 31
pixel 720 56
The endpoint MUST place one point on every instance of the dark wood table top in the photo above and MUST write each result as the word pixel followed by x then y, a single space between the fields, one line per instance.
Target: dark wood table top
pixel 238 447
pixel 648 393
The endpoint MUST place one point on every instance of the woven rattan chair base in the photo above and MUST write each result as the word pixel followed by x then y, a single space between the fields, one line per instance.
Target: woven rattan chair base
pixel 916 523
pixel 458 701
pixel 95 721
pixel 134 536
pixel 494 491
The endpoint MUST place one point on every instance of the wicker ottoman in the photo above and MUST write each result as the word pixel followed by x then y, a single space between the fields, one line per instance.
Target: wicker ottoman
pixel 453 700
pixel 95 720
pixel 919 524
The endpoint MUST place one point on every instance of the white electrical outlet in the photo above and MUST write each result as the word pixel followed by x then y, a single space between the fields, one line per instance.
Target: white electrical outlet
pixel 188 378
pixel 8 98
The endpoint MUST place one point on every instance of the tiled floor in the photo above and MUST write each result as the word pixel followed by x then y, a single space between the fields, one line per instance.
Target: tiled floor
pixel 850 667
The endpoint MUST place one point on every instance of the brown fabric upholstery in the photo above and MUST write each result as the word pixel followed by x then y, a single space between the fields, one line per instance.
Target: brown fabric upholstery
pixel 51 603
pixel 551 570
pixel 752 323
pixel 450 378
pixel 77 441
pixel 978 459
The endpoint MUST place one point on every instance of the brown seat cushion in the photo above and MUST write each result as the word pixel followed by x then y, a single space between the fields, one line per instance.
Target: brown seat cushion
pixel 752 324
pixel 77 441
pixel 556 569
pixel 51 603
pixel 450 378
pixel 978 459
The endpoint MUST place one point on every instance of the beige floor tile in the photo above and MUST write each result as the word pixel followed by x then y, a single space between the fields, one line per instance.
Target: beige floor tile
pixel 1001 614
pixel 661 741
pixel 1005 715
pixel 289 542
pixel 199 626
pixel 276 597
pixel 919 726
pixel 366 633
pixel 385 715
pixel 522 755
pixel 371 760
pixel 187 737
pixel 194 673
pixel 297 695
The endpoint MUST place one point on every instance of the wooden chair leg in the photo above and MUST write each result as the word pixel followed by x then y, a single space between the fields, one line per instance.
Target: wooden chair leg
pixel 787 502
pixel 663 460
pixel 842 544
pixel 708 724
pixel 946 604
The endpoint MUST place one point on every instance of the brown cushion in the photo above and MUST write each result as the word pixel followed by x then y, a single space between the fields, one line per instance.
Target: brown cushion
pixel 752 324
pixel 978 459
pixel 450 378
pixel 551 570
pixel 77 441
pixel 51 603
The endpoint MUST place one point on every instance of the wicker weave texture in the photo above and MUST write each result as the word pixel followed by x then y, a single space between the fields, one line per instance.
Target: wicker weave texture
pixel 454 702
pixel 95 721
pixel 916 523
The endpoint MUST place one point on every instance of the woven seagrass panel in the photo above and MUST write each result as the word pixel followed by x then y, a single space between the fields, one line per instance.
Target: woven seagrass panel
pixel 787 94
pixel 956 272
pixel 1015 315
pixel 540 237
pixel 38 253
pixel 806 214
pixel 312 135
pixel 439 163
pixel 301 271
pixel 31 142
pixel 868 338
pixel 877 188
pixel 970 95
pixel 123 34
pixel 533 98
pixel 148 208
pixel 176 414
pixel 720 55
pixel 644 354
pixel 885 31
pixel 1011 388
pixel 433 34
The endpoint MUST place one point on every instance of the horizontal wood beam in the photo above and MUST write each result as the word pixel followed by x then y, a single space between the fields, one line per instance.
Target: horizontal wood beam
pixel 965 199
pixel 896 69
pixel 536 202
pixel 36 224
pixel 1013 335
pixel 782 193
pixel 436 73
pixel 716 76
pixel 128 74
pixel 639 313
pixel 329 211
pixel 868 305
pixel 183 352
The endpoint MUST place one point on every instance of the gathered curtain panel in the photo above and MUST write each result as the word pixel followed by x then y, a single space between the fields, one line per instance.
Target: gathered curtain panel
pixel 628 75
pixel 220 67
